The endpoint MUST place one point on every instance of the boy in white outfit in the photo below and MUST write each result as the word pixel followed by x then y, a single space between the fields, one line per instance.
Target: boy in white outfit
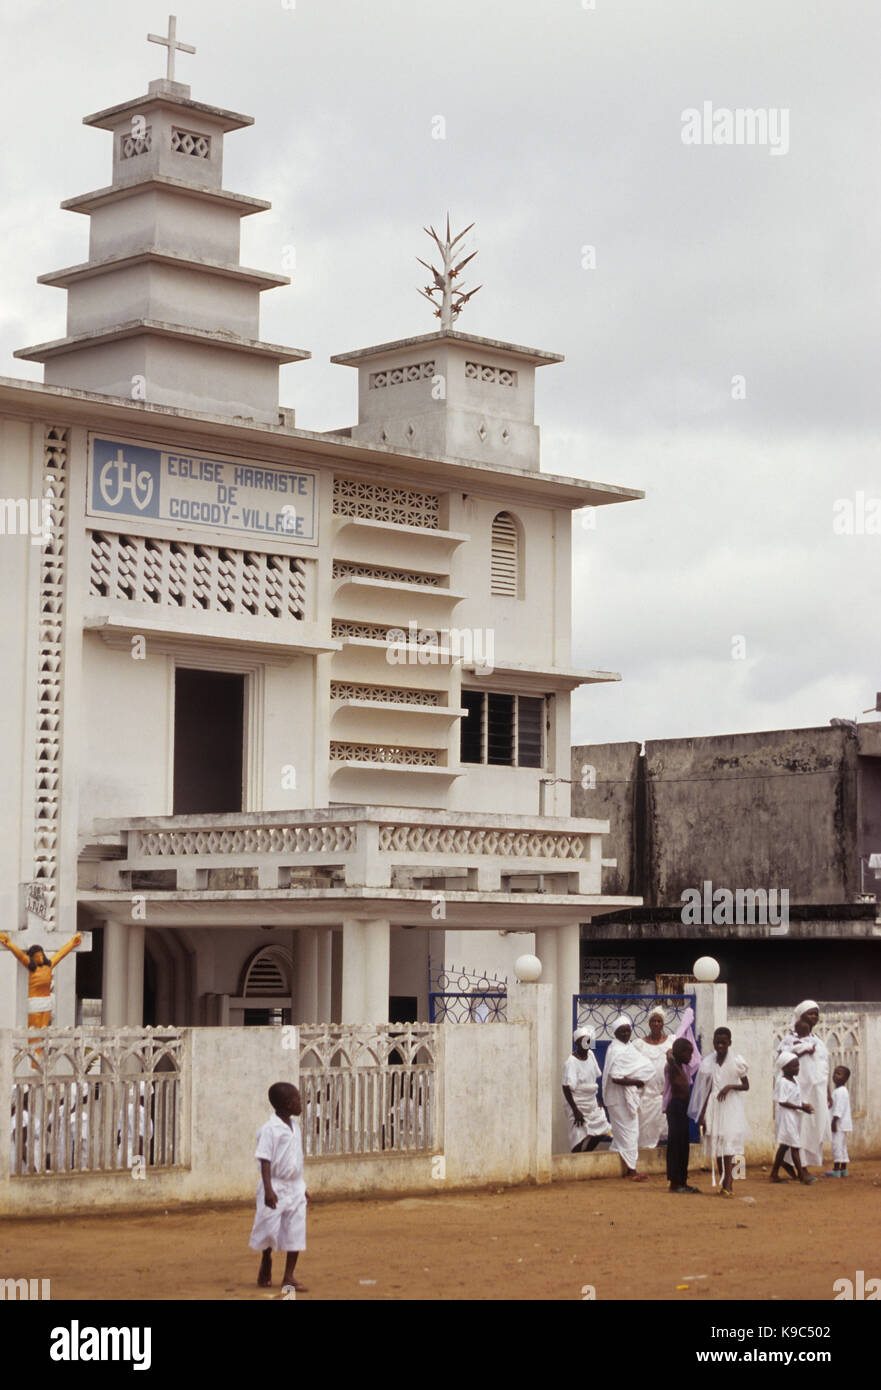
pixel 842 1123
pixel 280 1222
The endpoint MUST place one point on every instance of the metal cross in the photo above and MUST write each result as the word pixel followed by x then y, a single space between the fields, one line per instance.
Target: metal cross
pixel 171 44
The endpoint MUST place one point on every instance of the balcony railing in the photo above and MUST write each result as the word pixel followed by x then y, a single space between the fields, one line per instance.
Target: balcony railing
pixel 354 846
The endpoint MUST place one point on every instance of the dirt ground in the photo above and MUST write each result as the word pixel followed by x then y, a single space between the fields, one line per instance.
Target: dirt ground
pixel 628 1242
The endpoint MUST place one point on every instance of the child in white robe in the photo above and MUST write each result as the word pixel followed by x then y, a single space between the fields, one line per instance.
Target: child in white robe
pixel 717 1106
pixel 280 1222
pixel 842 1123
pixel 788 1111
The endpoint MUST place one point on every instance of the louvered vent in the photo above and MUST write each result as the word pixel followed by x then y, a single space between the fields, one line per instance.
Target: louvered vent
pixel 268 974
pixel 505 556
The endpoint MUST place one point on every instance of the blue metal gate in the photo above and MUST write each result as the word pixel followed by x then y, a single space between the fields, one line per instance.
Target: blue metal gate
pixel 598 1011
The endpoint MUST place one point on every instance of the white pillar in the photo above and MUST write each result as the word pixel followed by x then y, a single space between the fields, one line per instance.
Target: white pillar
pixel 533 1004
pixel 114 987
pixel 135 975
pixel 307 976
pixel 558 949
pixel 325 974
pixel 365 970
pixel 711 1012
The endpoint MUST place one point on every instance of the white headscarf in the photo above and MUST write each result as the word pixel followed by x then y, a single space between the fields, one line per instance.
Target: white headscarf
pixel 801 1009
pixel 785 1058
pixel 585 1035
pixel 622 1021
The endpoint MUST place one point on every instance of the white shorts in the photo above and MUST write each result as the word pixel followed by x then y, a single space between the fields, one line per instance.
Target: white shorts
pixel 839 1146
pixel 282 1227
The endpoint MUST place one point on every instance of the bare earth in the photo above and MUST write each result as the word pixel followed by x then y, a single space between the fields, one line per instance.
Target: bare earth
pixel 628 1242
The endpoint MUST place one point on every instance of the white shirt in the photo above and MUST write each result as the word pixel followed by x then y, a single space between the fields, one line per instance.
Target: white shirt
pixel 840 1110
pixel 581 1076
pixel 282 1145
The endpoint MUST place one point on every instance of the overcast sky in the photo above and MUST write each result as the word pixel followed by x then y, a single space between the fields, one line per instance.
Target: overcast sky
pixel 563 130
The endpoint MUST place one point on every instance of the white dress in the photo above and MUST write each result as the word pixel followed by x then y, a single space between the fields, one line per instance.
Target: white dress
pixel 652 1120
pixel 813 1080
pixel 725 1123
pixel 284 1226
pixel 581 1076
pixel 787 1123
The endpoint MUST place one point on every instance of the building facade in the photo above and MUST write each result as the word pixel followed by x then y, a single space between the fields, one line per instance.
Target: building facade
pixel 287 713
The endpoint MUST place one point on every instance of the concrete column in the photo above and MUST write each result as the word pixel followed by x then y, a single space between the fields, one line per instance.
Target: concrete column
pixel 558 949
pixel 711 1012
pixel 534 1004
pixel 307 976
pixel 135 975
pixel 365 970
pixel 325 974
pixel 114 985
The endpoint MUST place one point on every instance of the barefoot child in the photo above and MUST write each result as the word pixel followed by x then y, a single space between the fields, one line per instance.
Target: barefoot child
pixel 280 1223
pixel 788 1109
pixel 842 1124
pixel 679 1083
pixel 717 1105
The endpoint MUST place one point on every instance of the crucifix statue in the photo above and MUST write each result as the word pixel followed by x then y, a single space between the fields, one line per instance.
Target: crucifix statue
pixel 41 1000
pixel 452 299
pixel 171 44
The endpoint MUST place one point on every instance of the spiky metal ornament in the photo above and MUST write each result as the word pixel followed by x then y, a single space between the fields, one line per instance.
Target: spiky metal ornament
pixel 452 298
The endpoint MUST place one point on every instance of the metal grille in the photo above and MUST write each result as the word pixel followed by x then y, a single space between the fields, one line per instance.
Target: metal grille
pixel 478 1007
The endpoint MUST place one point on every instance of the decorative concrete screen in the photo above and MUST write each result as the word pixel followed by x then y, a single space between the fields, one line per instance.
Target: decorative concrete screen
pixel 96 1100
pixel 368 1090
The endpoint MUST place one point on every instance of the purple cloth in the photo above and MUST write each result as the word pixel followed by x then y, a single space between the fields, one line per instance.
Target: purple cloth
pixel 690 1068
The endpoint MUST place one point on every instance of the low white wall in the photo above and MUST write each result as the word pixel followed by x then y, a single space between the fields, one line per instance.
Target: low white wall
pixel 225 1096
pixel 488 1102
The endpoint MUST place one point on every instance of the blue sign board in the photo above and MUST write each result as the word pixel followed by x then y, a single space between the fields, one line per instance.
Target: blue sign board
pixel 202 490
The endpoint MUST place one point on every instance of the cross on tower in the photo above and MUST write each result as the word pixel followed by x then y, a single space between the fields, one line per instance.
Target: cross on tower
pixel 171 44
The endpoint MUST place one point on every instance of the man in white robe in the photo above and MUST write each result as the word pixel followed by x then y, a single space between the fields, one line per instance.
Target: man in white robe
pixel 624 1075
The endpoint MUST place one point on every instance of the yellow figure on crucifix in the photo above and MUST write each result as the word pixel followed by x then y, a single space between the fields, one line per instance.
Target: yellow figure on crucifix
pixel 41 1000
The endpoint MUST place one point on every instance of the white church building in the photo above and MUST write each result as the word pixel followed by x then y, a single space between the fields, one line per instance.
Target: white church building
pixel 286 715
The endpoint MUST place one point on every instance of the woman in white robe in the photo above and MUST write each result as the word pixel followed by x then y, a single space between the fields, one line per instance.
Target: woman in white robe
pixel 813 1081
pixel 587 1121
pixel 625 1074
pixel 652 1120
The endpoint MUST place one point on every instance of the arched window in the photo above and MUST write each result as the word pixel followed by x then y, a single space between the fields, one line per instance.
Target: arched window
pixel 505 573
pixel 268 973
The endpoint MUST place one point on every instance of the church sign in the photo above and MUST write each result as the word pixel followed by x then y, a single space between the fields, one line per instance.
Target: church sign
pixel 205 491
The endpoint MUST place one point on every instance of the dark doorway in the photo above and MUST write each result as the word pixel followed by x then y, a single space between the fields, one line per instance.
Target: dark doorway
pixel 209 711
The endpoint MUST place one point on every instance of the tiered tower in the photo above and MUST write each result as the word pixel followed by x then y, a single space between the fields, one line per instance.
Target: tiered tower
pixel 162 311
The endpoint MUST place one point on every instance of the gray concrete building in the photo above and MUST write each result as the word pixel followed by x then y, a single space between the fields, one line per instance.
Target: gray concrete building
pixel 794 812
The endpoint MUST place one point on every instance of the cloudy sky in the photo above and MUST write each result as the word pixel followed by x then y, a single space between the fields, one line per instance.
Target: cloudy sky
pixel 563 130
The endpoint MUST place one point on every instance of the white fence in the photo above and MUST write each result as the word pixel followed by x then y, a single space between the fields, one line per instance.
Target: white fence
pixel 96 1100
pixel 368 1090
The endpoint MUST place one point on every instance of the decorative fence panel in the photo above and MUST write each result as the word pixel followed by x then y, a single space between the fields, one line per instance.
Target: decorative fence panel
pixel 96 1100
pixel 368 1090
pixel 842 1034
